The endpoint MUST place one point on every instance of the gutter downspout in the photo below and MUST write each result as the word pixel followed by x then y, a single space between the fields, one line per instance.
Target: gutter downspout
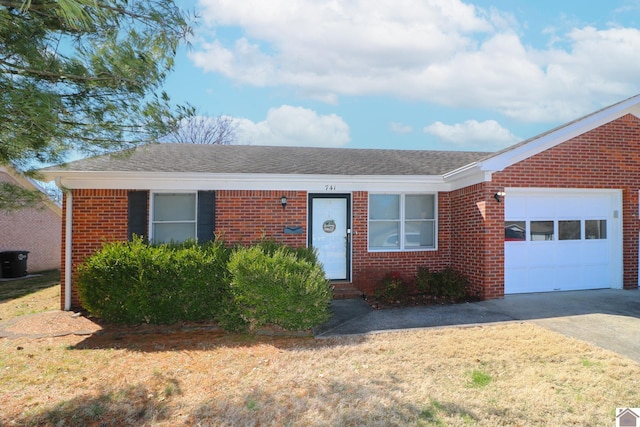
pixel 67 252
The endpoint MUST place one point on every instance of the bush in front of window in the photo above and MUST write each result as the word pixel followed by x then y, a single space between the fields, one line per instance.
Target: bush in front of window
pixel 276 285
pixel 448 284
pixel 134 282
pixel 391 288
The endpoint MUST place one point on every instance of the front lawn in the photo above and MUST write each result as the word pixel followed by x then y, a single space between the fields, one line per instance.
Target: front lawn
pixel 28 295
pixel 509 374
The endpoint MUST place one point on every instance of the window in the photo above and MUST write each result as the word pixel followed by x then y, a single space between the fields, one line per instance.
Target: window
pixel 569 230
pixel 515 231
pixel 402 221
pixel 173 217
pixel 595 228
pixel 542 230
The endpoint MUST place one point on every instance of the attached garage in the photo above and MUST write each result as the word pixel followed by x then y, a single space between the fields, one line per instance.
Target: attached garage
pixel 562 239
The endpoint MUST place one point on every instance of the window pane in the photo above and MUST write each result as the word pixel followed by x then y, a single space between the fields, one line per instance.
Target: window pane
pixel 384 206
pixel 514 231
pixel 595 229
pixel 168 232
pixel 542 230
pixel 419 206
pixel 569 230
pixel 174 207
pixel 384 235
pixel 419 234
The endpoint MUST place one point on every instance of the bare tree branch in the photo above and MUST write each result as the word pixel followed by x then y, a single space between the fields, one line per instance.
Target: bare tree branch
pixel 218 130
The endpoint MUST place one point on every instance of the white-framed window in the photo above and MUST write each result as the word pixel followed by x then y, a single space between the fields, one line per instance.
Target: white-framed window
pixel 173 217
pixel 402 222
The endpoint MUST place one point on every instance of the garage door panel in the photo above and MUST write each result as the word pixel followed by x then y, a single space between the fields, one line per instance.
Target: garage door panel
pixel 543 262
pixel 518 278
pixel 518 253
pixel 569 277
pixel 516 208
pixel 541 254
pixel 598 277
pixel 596 253
pixel 542 209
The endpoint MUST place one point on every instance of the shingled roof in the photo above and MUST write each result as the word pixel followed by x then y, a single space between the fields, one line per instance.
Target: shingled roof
pixel 252 159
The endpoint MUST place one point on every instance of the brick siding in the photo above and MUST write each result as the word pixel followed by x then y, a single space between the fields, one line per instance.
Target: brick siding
pixel 607 157
pixel 370 267
pixel 248 216
pixel 477 239
pixel 36 230
pixel 470 221
pixel 99 216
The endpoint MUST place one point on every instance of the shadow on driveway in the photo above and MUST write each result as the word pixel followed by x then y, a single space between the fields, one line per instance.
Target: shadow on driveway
pixel 609 318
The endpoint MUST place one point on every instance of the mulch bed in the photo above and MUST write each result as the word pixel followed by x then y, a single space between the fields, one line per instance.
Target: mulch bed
pixel 416 300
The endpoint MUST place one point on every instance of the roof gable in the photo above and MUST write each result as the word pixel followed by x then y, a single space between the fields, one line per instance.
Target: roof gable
pixel 530 147
pixel 25 182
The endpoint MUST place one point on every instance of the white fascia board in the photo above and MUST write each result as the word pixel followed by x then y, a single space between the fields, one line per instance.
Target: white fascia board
pixel 562 134
pixel 157 181
pixel 465 176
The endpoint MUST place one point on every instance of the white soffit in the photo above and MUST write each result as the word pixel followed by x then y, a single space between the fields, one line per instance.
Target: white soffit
pixel 199 181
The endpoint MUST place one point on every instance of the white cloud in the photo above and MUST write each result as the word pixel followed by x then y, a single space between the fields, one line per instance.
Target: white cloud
pixel 472 134
pixel 400 128
pixel 441 51
pixel 294 126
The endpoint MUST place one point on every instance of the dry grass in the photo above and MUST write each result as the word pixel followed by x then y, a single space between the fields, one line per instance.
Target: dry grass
pixel 511 374
pixel 30 295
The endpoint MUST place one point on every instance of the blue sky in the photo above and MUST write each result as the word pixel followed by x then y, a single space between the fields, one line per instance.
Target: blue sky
pixel 406 74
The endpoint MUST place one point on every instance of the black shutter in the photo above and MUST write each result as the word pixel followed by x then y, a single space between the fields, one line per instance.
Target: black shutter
pixel 206 216
pixel 138 215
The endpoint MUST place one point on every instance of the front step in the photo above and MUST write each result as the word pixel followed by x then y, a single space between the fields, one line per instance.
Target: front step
pixel 345 290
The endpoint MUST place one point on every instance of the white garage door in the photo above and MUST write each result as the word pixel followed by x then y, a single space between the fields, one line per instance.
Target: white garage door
pixel 559 240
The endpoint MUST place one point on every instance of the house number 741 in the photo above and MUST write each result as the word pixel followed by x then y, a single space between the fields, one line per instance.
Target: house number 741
pixel 329 187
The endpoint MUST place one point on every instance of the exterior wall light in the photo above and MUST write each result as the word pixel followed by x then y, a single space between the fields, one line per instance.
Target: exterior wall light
pixel 498 196
pixel 283 201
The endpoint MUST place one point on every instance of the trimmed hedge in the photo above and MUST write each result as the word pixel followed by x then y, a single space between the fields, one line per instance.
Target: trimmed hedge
pixel 277 286
pixel 134 282
pixel 242 288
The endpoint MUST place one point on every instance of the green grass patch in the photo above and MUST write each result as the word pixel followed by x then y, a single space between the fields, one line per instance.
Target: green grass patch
pixel 479 379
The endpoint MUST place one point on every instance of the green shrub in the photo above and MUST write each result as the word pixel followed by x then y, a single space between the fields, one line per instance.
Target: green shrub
pixel 391 288
pixel 423 279
pixel 309 254
pixel 448 283
pixel 272 284
pixel 134 282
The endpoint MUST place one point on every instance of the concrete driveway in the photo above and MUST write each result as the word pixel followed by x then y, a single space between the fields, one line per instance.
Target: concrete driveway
pixel 609 318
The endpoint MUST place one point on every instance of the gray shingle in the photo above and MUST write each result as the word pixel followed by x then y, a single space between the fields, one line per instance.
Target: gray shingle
pixel 274 160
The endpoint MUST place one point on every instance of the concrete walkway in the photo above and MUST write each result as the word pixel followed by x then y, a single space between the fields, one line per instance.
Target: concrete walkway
pixel 609 318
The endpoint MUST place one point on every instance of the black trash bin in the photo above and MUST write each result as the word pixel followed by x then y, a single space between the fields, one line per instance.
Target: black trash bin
pixel 13 264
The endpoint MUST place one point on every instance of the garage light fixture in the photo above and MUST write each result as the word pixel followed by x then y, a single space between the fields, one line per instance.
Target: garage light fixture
pixel 283 201
pixel 498 196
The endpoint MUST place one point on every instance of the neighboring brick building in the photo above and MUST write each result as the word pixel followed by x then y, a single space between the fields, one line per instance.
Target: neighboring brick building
pixel 36 229
pixel 556 212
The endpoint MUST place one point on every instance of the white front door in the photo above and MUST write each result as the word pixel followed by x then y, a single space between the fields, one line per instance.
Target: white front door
pixel 561 239
pixel 330 233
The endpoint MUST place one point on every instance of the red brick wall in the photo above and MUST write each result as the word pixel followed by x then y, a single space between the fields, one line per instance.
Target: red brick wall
pixel 477 239
pixel 99 216
pixel 606 157
pixel 470 220
pixel 36 230
pixel 248 216
pixel 369 267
